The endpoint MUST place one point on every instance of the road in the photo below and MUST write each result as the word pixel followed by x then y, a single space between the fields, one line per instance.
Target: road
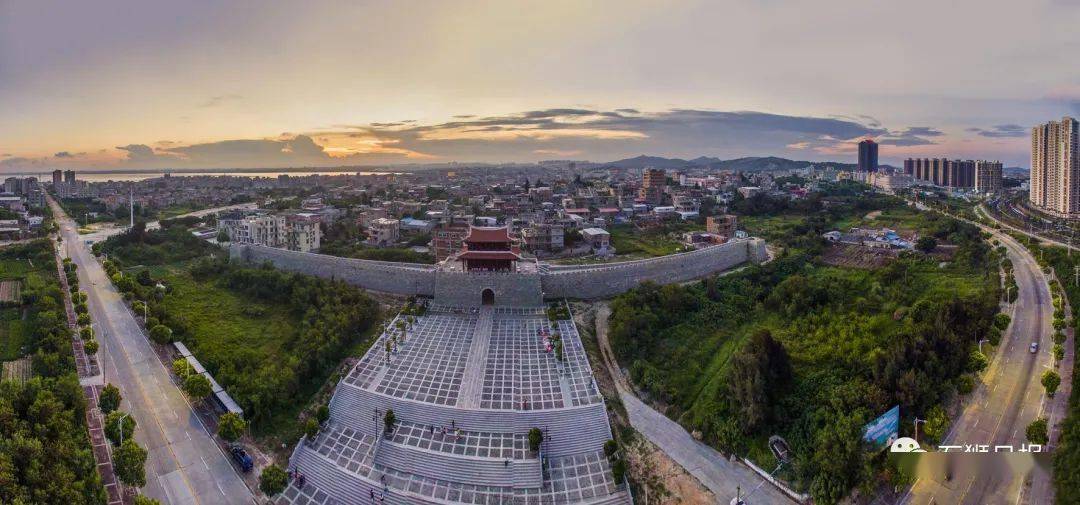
pixel 1010 397
pixel 184 464
pixel 721 475
pixel 118 228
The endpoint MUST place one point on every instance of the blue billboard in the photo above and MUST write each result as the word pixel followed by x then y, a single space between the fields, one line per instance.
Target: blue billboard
pixel 882 431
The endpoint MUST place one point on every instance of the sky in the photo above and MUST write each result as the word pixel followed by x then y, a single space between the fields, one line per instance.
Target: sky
pixel 146 84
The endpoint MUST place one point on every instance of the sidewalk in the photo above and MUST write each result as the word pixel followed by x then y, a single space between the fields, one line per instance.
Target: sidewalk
pixel 91 380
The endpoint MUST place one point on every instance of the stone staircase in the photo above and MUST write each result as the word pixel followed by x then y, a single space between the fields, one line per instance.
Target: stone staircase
pixel 472 384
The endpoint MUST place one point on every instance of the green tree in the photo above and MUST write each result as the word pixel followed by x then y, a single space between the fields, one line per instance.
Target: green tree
pixel 839 459
pixel 109 399
pixel 90 347
pixel 1059 353
pixel 83 319
pixel 618 470
pixel 759 376
pixel 1036 432
pixel 937 423
pixel 977 361
pixel 145 500
pixel 273 480
pixel 161 334
pixel 231 426
pixel 1051 380
pixel 86 333
pixel 536 437
pixel 119 422
pixel 197 386
pixel 128 463
pixel 926 244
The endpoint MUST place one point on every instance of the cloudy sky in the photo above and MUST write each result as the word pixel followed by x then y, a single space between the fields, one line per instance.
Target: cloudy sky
pixel 115 84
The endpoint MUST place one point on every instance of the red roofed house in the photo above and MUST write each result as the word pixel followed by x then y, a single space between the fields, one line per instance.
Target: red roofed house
pixel 489 249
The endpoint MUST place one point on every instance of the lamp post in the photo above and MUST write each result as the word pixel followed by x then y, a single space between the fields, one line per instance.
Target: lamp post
pixel 917 421
pixel 120 427
pixel 981 343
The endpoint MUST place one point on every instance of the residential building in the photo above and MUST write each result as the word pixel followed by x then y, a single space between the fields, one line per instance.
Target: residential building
pixel 1055 168
pixel 598 238
pixel 868 156
pixel 988 176
pixel 69 176
pixel 303 233
pixel 446 239
pixel 722 225
pixel 653 181
pixel 57 177
pixel 383 232
pixel 543 237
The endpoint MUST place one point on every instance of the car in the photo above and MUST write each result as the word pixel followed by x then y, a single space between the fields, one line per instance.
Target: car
pixel 241 457
pixel 1034 347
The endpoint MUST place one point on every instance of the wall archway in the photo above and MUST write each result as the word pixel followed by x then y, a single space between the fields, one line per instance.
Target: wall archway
pixel 487 297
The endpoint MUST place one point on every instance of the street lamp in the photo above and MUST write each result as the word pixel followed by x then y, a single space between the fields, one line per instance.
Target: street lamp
pixel 120 427
pixel 981 343
pixel 917 421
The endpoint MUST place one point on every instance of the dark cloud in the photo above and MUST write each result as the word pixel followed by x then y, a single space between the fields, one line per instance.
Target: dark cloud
pixel 1001 131
pixel 911 136
pixel 64 154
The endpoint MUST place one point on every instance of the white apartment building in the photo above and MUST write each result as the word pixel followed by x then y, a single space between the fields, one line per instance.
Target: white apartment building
pixel 1055 168
pixel 383 232
pixel 988 176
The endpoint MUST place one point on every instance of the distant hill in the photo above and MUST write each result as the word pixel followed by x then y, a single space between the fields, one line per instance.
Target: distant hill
pixel 1020 172
pixel 750 164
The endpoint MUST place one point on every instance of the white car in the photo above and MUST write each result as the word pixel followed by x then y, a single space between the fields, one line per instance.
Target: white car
pixel 1034 347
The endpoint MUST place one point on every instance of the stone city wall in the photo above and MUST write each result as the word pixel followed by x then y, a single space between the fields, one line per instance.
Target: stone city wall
pixel 522 289
pixel 610 279
pixel 385 276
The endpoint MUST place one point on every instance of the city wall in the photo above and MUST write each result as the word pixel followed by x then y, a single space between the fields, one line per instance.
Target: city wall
pixel 554 281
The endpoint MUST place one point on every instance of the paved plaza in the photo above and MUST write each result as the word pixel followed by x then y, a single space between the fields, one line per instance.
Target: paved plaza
pixel 466 386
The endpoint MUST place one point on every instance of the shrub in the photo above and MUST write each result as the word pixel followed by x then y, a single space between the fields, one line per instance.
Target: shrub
pixel 86 333
pixel 610 448
pixel 118 422
pixel 1059 337
pixel 181 368
pixel 1036 432
pixel 618 471
pixel 273 480
pixel 80 308
pixel 83 319
pixel 965 384
pixel 311 428
pixel 197 386
pixel 231 426
pixel 322 414
pixel 1001 321
pixel 161 334
pixel 389 420
pixel 128 463
pixel 1059 353
pixel 90 347
pixel 536 437
pixel 977 361
pixel 994 335
pixel 109 400
pixel 145 500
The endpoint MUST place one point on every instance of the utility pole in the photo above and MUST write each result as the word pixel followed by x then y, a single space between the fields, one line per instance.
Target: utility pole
pixel 917 421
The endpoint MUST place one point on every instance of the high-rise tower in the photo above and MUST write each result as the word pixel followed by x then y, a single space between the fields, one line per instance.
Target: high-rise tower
pixel 1055 168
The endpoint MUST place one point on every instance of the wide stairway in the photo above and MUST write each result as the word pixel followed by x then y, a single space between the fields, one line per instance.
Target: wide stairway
pixel 472 384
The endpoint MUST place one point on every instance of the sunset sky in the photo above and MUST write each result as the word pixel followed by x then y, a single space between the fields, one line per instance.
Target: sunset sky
pixel 144 84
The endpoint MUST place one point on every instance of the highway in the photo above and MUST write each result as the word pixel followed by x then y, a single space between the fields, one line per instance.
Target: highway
pixel 1010 398
pixel 184 464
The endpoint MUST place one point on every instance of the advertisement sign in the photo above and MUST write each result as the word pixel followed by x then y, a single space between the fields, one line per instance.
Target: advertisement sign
pixel 881 432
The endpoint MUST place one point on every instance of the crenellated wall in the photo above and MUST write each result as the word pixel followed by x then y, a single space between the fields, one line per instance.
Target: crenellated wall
pixel 521 289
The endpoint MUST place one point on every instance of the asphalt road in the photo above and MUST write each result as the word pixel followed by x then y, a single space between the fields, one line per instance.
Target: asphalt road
pixel 111 229
pixel 184 464
pixel 1010 398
